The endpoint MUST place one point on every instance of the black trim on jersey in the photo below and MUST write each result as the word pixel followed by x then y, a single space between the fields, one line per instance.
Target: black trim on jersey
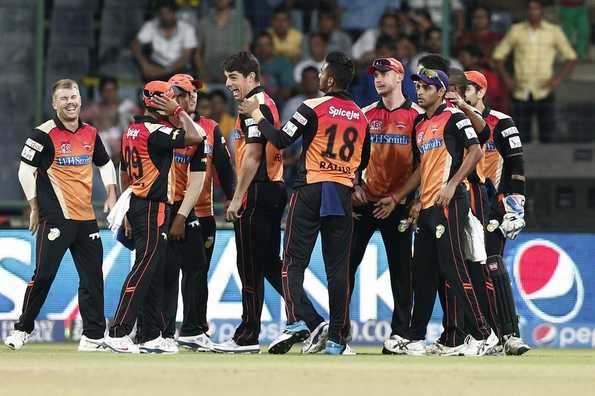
pixel 100 156
pixel 222 163
pixel 405 105
pixel 60 125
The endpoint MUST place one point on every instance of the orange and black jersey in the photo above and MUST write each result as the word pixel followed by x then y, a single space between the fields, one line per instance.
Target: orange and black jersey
pixel 391 156
pixel 186 159
pixel 478 174
pixel 336 139
pixel 218 157
pixel 64 160
pixel 247 132
pixel 147 153
pixel 503 153
pixel 439 144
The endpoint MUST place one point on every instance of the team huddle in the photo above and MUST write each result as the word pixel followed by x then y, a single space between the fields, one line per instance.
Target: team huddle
pixel 445 173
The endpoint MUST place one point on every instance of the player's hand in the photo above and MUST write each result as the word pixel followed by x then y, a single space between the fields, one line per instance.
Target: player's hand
pixel 165 104
pixel 445 195
pixel 247 106
pixel 455 98
pixel 226 205
pixel 177 231
pixel 110 201
pixel 233 211
pixel 359 196
pixel 414 213
pixel 127 228
pixel 384 207
pixel 34 220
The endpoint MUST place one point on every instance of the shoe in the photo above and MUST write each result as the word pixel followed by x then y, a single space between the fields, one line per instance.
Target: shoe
pixel 349 351
pixel 515 346
pixel 435 349
pixel 198 343
pixel 17 339
pixel 468 348
pixel 333 348
pixel 397 345
pixel 293 333
pixel 121 344
pixel 487 345
pixel 87 344
pixel 317 340
pixel 230 346
pixel 159 345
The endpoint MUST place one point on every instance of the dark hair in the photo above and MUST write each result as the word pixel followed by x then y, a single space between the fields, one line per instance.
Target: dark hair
pixel 456 77
pixel 281 10
pixel 200 95
pixel 107 80
pixel 260 35
pixel 385 41
pixel 309 69
pixel 328 13
pixel 171 4
pixel 219 93
pixel 435 61
pixel 244 63
pixel 430 30
pixel 323 37
pixel 341 69
pixel 424 13
pixel 483 7
pixel 473 50
pixel 389 14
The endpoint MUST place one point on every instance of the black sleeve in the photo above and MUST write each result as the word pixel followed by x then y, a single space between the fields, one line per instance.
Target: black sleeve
pixel 507 138
pixel 167 139
pixel 100 156
pixel 484 135
pixel 303 122
pixel 123 164
pixel 414 148
pixel 365 150
pixel 198 163
pixel 460 127
pixel 222 162
pixel 37 146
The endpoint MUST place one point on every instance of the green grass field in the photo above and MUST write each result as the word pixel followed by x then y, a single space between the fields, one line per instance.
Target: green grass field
pixel 57 369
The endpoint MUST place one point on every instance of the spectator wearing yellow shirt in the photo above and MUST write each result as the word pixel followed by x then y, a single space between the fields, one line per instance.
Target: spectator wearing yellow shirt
pixel 534 44
pixel 287 41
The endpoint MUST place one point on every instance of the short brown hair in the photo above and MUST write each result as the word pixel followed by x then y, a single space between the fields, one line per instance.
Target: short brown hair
pixel 244 63
pixel 65 83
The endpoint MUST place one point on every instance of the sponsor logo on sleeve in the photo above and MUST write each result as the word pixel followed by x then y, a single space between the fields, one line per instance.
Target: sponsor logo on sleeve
pixel 515 142
pixel 28 153
pixel 34 145
pixel 249 121
pixel 290 128
pixel 463 123
pixel 300 118
pixel 510 131
pixel 253 131
pixel 470 132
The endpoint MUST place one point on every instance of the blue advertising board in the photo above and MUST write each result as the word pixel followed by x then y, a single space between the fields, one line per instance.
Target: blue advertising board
pixel 553 278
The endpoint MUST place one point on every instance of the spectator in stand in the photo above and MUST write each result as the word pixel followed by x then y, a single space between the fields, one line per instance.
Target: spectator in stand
pixel 434 7
pixel 422 21
pixel 481 33
pixel 472 58
pixel 574 17
pixel 317 51
pixel 276 71
pixel 534 45
pixel 287 40
pixel 220 113
pixel 359 15
pixel 432 45
pixel 338 40
pixel 308 90
pixel 204 105
pixel 164 45
pixel 364 48
pixel 110 116
pixel 222 32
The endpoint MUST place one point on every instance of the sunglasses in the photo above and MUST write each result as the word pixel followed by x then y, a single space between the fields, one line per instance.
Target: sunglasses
pixel 150 94
pixel 382 62
pixel 432 74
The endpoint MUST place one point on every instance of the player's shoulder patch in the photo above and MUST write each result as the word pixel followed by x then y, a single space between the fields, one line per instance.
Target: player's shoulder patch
pixel 417 108
pixel 313 103
pixel 369 107
pixel 151 127
pixel 47 126
pixel 34 144
pixel 499 115
pixel 299 117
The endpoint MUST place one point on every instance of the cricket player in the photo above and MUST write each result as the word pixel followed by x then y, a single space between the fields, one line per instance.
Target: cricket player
pixel 56 173
pixel 336 146
pixel 147 154
pixel 504 171
pixel 377 198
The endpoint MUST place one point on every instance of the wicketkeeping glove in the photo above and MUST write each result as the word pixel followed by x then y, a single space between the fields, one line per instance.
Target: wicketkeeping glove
pixel 513 221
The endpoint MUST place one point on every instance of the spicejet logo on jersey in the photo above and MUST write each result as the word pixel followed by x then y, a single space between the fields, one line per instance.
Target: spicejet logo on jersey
pixel 132 133
pixel 340 112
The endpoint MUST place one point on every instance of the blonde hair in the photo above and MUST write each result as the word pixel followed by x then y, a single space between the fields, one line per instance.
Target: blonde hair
pixel 65 83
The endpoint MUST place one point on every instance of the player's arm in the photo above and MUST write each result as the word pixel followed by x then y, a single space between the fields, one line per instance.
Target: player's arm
pixel 251 161
pixel 223 166
pixel 37 145
pixel 474 117
pixel 366 149
pixel 193 134
pixel 124 184
pixel 302 122
pixel 465 135
pixel 107 171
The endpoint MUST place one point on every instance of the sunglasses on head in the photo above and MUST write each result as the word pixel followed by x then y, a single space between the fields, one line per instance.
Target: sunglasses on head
pixel 382 62
pixel 150 94
pixel 433 74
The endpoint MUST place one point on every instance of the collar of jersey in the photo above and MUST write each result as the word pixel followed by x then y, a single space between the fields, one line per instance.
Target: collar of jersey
pixel 60 125
pixel 439 110
pixel 406 105
pixel 145 118
pixel 486 112
pixel 255 90
pixel 341 95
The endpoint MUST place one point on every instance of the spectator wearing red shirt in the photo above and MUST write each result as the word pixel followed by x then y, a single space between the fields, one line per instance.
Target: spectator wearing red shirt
pixel 481 33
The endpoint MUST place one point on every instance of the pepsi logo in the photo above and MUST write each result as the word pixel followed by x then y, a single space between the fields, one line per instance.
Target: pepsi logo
pixel 544 334
pixel 549 282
